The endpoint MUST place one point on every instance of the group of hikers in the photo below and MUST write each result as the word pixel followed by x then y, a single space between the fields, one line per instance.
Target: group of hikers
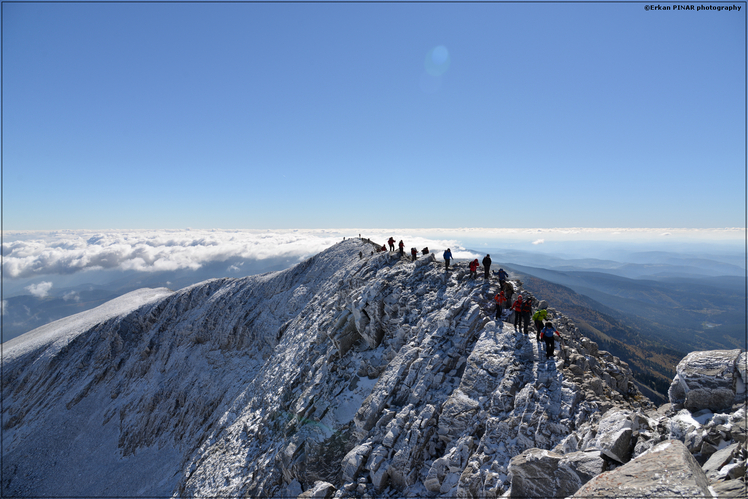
pixel 520 311
pixel 401 249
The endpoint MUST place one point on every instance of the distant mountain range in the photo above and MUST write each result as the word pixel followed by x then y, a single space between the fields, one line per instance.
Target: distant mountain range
pixel 650 323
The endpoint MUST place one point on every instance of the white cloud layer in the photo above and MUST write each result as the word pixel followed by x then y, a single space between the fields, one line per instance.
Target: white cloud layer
pixel 40 290
pixel 34 254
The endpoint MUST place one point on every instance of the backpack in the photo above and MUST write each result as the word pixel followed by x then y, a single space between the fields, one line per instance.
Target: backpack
pixel 548 332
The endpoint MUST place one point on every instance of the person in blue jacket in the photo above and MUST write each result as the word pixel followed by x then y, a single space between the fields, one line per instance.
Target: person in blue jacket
pixel 547 334
pixel 447 257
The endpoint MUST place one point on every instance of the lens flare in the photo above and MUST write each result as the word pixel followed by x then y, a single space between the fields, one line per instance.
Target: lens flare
pixel 437 61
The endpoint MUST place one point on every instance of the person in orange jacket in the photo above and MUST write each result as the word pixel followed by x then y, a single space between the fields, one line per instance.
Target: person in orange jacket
pixel 517 307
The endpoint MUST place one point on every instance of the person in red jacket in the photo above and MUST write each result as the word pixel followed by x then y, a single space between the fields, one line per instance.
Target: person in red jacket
pixel 391 242
pixel 517 307
pixel 526 312
pixel 401 245
pixel 500 299
pixel 474 268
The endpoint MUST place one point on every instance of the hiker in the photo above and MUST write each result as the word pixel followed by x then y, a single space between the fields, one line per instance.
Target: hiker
pixel 447 257
pixel 391 242
pixel 526 311
pixel 502 277
pixel 474 268
pixel 383 248
pixel 548 332
pixel 517 307
pixel 500 299
pixel 401 245
pixel 414 254
pixel 425 250
pixel 360 255
pixel 509 290
pixel 538 317
pixel 486 266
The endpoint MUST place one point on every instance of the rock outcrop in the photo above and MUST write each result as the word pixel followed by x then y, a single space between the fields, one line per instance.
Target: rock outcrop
pixel 709 380
pixel 667 470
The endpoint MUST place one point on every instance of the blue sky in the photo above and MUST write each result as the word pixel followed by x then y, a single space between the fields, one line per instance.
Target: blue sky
pixel 277 116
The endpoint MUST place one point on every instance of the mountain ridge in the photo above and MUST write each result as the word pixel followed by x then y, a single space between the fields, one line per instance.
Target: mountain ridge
pixel 369 372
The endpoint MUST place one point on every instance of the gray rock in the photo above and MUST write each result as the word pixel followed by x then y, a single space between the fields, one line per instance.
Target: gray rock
pixel 668 470
pixel 706 380
pixel 457 414
pixel 719 459
pixel 537 473
pixel 742 366
pixel 354 460
pixel 730 488
pixel 320 490
pixel 614 435
pixel 437 472
pixel 586 465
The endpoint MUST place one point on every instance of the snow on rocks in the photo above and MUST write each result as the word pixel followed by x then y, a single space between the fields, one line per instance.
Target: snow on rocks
pixel 709 380
pixel 340 377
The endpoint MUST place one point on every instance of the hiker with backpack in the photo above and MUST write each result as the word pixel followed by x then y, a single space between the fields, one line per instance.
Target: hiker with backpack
pixel 391 242
pixel 509 291
pixel 517 307
pixel 503 276
pixel 526 311
pixel 538 318
pixel 447 257
pixel 547 333
pixel 500 299
pixel 401 245
pixel 474 268
pixel 486 266
pixel 414 254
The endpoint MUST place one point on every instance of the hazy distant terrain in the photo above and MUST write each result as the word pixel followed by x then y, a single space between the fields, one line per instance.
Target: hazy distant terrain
pixel 672 308
pixel 25 312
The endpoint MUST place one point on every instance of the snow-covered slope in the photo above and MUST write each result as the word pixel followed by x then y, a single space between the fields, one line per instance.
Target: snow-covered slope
pixel 371 375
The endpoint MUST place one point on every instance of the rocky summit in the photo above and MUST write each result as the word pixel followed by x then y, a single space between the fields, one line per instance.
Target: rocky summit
pixel 353 374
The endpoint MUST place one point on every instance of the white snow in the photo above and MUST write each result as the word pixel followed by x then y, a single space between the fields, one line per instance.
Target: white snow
pixel 58 334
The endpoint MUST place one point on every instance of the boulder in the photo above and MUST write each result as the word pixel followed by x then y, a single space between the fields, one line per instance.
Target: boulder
pixel 320 490
pixel 719 459
pixel 706 380
pixel 538 473
pixel 668 470
pixel 585 464
pixel 614 435
pixel 730 488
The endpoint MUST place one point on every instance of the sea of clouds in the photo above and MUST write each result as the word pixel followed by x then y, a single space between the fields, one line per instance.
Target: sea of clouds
pixel 32 253
pixel 33 258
